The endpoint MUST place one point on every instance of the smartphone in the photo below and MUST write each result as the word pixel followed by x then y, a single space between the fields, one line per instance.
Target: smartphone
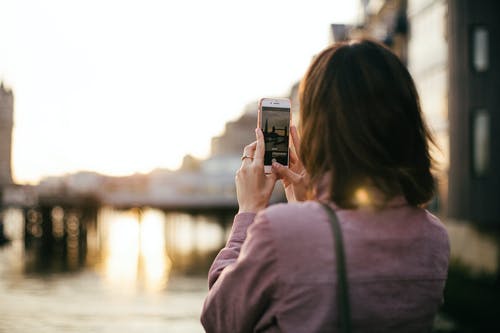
pixel 274 121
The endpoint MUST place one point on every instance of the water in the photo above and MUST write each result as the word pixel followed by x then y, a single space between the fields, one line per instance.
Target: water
pixel 143 271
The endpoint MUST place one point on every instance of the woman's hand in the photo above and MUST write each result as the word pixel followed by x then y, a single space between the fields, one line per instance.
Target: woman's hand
pixel 295 179
pixel 253 186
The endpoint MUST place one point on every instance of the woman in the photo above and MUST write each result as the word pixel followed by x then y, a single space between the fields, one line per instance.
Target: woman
pixel 365 152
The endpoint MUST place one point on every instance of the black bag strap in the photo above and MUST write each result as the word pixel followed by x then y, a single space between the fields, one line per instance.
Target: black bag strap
pixel 342 287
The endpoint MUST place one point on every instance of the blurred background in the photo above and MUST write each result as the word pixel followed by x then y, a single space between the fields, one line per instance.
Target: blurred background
pixel 122 124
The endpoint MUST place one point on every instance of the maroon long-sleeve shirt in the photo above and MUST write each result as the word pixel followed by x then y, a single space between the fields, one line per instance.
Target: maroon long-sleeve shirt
pixel 277 271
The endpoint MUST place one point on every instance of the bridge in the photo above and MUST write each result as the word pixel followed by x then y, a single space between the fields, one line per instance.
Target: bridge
pixel 58 215
pixel 206 192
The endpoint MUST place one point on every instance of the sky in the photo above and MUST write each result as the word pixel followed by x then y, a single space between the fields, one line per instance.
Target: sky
pixel 111 85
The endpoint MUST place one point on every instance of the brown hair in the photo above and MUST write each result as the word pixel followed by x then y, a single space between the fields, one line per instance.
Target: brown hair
pixel 361 120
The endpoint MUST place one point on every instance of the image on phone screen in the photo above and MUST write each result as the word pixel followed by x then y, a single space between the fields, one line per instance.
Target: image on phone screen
pixel 276 129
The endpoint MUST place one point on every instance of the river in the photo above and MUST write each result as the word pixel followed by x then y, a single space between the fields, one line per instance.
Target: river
pixel 143 271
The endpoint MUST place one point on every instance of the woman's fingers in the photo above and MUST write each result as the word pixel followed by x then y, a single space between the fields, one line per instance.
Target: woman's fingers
pixel 248 153
pixel 295 183
pixel 271 179
pixel 249 150
pixel 285 174
pixel 295 139
pixel 295 163
pixel 260 147
pixel 253 186
pixel 293 157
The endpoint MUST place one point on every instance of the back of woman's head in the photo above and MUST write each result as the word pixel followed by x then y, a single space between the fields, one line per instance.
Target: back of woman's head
pixel 361 121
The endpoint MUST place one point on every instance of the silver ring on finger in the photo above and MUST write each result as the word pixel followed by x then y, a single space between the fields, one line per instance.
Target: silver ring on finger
pixel 246 156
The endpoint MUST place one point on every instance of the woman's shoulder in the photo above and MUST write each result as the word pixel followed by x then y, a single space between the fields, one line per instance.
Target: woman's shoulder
pixel 437 228
pixel 289 212
pixel 301 237
pixel 294 221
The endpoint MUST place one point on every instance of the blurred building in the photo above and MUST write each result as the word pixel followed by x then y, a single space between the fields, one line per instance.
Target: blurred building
pixel 237 134
pixel 449 47
pixel 6 124
pixel 474 109
pixel 454 60
pixel 227 148
pixel 385 21
pixel 428 64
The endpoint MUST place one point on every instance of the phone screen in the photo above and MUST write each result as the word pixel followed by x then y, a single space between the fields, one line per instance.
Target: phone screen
pixel 276 128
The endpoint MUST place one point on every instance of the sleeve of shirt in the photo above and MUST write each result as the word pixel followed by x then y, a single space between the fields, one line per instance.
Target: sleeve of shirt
pixel 242 278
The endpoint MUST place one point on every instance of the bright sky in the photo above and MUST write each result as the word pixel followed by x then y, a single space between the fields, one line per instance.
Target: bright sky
pixel 119 86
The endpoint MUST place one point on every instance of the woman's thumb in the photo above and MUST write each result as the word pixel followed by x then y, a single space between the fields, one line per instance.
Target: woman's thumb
pixel 285 173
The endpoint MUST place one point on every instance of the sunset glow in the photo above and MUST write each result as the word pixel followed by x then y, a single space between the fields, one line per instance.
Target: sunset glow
pixel 120 87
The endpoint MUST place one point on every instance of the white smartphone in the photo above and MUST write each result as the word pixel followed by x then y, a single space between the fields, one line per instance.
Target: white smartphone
pixel 274 121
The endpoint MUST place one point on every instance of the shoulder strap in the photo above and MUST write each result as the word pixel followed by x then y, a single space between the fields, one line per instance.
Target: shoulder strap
pixel 342 287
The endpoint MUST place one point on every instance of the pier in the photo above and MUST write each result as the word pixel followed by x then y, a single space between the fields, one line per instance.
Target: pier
pixel 58 215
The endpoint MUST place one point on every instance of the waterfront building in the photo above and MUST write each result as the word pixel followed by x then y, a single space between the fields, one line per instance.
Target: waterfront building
pixel 6 125
pixel 450 50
